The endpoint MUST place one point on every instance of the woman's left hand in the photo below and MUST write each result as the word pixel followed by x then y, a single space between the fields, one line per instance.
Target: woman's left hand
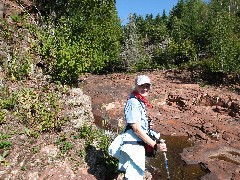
pixel 162 147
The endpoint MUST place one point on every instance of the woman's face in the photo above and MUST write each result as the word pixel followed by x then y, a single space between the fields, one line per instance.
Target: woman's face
pixel 143 89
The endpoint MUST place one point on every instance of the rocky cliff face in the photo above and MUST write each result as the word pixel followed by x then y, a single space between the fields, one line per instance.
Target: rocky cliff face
pixel 55 155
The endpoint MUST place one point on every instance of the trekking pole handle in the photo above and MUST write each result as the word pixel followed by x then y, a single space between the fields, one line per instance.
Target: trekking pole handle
pixel 162 141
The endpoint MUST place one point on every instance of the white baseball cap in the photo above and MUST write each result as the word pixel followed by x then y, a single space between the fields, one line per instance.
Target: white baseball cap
pixel 142 79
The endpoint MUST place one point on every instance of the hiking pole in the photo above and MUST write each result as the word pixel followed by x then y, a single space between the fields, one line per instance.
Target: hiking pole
pixel 166 160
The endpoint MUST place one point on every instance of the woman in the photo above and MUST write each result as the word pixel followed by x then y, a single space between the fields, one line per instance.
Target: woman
pixel 132 158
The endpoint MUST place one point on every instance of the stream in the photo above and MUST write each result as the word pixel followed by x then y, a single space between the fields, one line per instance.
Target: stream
pixel 178 169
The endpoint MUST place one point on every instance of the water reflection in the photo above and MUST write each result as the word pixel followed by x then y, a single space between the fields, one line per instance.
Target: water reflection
pixel 178 169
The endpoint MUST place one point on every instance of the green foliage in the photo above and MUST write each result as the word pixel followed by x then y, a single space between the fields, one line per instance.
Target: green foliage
pixel 85 39
pixel 17 58
pixel 208 29
pixel 82 153
pixel 16 18
pixel 23 168
pixel 224 44
pixel 3 160
pixel 8 101
pixel 4 136
pixel 132 55
pixel 97 136
pixel 175 53
pixel 187 21
pixel 6 145
pixel 89 134
pixel 39 111
pixel 64 145
pixel 2 116
pixel 152 30
pixel 19 67
pixel 84 36
pixel 65 58
pixel 6 30
pixel 144 64
pixel 35 150
pixel 94 139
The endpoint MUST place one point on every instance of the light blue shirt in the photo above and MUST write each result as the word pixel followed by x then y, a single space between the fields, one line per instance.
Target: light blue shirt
pixel 135 112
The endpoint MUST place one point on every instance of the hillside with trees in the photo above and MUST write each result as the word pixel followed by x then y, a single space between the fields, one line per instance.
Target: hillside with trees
pixel 48 48
pixel 76 37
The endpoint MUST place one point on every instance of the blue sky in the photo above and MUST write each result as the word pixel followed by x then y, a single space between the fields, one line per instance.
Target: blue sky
pixel 143 7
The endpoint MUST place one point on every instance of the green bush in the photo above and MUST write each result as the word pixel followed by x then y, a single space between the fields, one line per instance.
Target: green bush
pixel 64 145
pixel 8 100
pixel 6 145
pixel 39 111
pixel 16 17
pixel 93 135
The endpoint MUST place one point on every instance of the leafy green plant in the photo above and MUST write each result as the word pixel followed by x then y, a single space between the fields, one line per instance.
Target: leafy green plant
pixel 23 168
pixel 224 44
pixel 64 145
pixel 6 145
pixel 6 29
pixel 82 153
pixel 111 162
pixel 77 47
pixel 2 116
pixel 88 133
pixel 143 65
pixel 3 156
pixel 16 18
pixel 8 100
pixel 35 150
pixel 40 112
pixel 97 136
pixel 4 136
pixel 19 66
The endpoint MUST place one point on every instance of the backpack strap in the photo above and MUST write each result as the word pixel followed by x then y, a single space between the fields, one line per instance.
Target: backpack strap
pixel 128 127
pixel 139 102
